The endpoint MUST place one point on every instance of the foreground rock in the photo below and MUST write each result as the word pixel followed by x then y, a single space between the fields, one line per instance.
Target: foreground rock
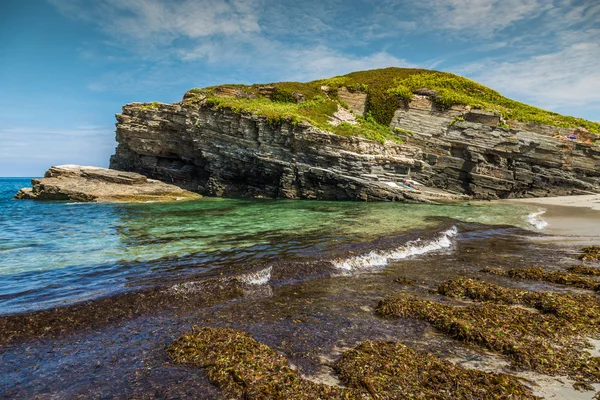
pixel 94 184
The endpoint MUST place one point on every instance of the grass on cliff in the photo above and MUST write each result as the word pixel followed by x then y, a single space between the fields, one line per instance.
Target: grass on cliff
pixel 387 90
pixel 316 111
pixel 245 368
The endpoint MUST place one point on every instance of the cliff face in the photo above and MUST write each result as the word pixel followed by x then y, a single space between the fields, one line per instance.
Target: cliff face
pixel 219 152
pixel 465 150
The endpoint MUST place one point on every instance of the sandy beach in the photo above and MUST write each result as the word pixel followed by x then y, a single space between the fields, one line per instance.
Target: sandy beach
pixel 575 219
pixel 591 201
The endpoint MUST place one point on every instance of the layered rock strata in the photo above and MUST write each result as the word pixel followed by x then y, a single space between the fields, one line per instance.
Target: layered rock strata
pixel 466 151
pixel 219 152
pixel 454 153
pixel 93 184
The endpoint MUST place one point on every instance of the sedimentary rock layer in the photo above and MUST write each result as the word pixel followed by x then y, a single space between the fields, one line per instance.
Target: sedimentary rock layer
pixel 91 184
pixel 487 161
pixel 220 152
pixel 454 153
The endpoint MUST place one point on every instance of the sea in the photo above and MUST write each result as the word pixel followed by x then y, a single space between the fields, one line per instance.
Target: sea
pixel 57 253
pixel 91 294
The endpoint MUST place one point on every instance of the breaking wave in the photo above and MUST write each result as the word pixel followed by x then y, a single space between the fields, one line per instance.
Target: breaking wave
pixel 417 247
pixel 535 221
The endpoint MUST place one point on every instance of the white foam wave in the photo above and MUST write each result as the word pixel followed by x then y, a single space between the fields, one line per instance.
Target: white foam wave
pixel 260 277
pixel 377 259
pixel 535 221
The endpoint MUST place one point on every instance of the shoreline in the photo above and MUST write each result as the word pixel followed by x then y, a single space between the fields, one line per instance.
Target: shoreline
pixel 326 310
pixel 572 219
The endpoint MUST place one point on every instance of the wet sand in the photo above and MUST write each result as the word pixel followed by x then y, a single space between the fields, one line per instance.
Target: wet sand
pixel 591 201
pixel 310 312
pixel 572 220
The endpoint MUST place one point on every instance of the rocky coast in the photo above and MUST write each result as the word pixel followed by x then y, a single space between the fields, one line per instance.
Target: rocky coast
pixel 255 298
pixel 225 141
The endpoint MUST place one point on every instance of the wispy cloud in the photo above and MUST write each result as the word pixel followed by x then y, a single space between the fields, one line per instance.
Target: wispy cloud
pixel 569 77
pixel 164 21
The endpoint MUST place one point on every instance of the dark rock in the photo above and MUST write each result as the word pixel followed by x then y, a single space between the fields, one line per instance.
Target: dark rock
pixel 219 152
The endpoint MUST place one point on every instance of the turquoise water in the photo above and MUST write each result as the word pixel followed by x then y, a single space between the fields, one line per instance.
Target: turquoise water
pixel 54 253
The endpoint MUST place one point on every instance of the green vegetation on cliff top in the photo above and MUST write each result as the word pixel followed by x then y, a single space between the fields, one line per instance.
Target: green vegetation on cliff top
pixel 387 90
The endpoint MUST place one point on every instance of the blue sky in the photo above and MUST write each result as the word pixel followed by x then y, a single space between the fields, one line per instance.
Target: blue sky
pixel 67 66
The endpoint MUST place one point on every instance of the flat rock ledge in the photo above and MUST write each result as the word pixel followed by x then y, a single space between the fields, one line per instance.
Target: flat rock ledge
pixel 94 184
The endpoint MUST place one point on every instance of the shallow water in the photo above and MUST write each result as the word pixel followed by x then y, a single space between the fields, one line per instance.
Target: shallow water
pixel 57 253
pixel 302 277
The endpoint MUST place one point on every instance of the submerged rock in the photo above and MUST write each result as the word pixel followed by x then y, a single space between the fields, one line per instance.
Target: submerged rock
pixel 93 184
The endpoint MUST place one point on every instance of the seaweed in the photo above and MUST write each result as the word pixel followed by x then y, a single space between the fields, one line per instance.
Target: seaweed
pixel 540 274
pixel 392 370
pixel 580 310
pixel 403 280
pixel 539 342
pixel 584 270
pixel 590 253
pixel 243 367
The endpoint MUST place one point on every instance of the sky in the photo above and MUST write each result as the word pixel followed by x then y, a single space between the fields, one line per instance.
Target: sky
pixel 67 66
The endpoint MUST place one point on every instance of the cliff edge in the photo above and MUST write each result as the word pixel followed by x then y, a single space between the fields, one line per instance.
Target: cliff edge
pixel 391 134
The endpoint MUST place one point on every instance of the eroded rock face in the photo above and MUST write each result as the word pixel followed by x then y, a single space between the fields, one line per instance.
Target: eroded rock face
pixel 219 152
pixel 90 184
pixel 488 162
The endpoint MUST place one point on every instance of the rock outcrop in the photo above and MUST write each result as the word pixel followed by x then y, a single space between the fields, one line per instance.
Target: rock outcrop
pixel 219 152
pixel 455 154
pixel 93 184
pixel 466 151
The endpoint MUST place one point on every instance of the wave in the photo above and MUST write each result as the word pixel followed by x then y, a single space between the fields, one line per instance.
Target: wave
pixel 417 247
pixel 260 277
pixel 535 221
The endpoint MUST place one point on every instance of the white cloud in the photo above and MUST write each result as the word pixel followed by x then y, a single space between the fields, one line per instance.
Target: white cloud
pixel 483 16
pixel 469 18
pixel 164 21
pixel 569 77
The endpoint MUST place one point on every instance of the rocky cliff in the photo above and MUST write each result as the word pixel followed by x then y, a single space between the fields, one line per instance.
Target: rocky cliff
pixel 457 151
pixel 219 152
